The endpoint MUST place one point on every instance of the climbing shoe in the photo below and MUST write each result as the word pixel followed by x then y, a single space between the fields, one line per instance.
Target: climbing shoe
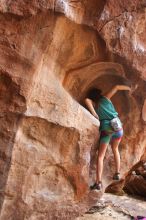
pixel 116 176
pixel 96 186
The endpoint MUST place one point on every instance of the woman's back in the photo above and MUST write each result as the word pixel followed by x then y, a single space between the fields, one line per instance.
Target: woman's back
pixel 105 109
pixel 106 112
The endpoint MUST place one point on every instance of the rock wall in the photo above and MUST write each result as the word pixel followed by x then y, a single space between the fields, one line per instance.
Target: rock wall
pixel 47 64
pixel 49 157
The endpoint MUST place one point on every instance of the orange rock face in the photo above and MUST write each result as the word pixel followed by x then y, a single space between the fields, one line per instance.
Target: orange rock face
pixel 45 144
pixel 135 182
pixel 47 64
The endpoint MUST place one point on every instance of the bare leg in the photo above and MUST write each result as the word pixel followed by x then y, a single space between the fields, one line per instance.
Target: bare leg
pixel 100 158
pixel 115 144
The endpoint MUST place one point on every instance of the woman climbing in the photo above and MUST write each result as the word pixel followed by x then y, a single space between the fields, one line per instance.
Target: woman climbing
pixel 101 107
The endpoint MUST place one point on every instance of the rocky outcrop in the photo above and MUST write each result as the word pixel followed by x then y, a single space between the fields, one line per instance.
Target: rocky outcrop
pixel 128 36
pixel 112 207
pixel 134 182
pixel 80 11
pixel 48 63
pixel 49 146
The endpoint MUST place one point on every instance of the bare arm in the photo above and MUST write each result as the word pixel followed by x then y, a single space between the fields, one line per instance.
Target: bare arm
pixel 89 104
pixel 115 89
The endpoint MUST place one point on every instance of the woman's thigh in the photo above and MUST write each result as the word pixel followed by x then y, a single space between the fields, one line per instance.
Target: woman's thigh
pixel 117 136
pixel 105 136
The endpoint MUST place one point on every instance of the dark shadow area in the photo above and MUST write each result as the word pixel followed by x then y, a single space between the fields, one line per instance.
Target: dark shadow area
pixel 105 83
pixel 95 7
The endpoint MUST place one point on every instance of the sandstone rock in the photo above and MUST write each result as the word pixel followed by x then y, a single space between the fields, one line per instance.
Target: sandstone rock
pixel 49 145
pixel 116 188
pixel 47 64
pixel 133 183
pixel 116 207
pixel 128 37
pixel 136 184
pixel 79 11
pixel 144 111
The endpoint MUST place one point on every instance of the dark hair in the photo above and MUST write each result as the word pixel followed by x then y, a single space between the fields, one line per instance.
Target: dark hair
pixel 94 94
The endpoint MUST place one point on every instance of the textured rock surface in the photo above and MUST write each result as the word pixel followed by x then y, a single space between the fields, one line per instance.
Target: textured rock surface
pixel 116 207
pixel 79 11
pixel 47 64
pixel 47 155
pixel 128 36
pixel 134 182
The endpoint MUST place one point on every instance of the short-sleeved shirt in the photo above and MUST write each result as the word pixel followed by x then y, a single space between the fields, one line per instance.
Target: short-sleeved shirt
pixel 106 112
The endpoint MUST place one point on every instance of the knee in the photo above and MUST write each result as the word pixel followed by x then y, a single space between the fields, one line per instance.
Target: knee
pixel 100 156
pixel 115 148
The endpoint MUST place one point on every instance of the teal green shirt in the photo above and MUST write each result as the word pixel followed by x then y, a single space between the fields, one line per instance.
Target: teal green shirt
pixel 106 112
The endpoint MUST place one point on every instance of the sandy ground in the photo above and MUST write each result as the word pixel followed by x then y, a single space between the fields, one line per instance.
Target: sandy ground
pixel 112 207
